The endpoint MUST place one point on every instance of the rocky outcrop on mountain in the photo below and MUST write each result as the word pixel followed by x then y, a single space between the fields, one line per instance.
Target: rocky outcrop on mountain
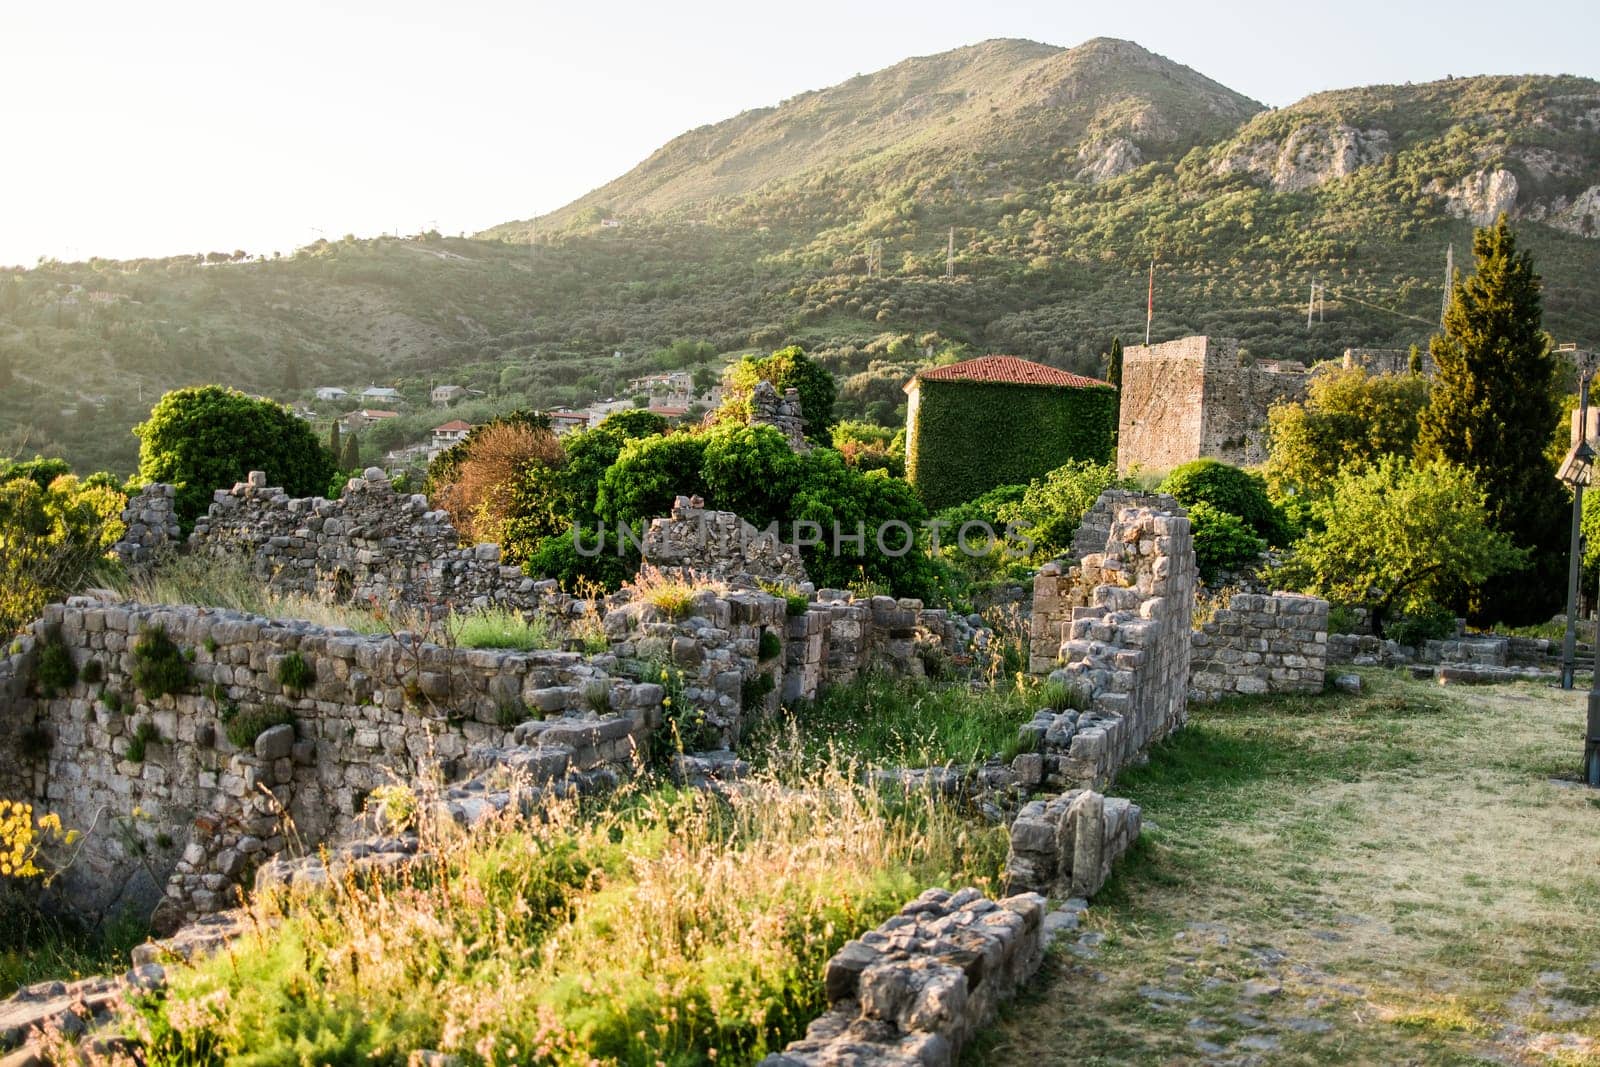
pixel 1308 157
pixel 1480 196
pixel 1102 161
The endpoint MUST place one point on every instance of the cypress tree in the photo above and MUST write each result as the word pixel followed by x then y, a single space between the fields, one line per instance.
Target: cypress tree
pixel 335 449
pixel 1114 363
pixel 351 461
pixel 1493 410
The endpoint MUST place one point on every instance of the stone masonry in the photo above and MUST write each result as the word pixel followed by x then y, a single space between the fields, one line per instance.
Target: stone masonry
pixel 1127 651
pixel 1194 397
pixel 1065 845
pixel 193 815
pixel 1058 587
pixel 782 413
pixel 1261 644
pixel 915 990
pixel 151 518
pixel 720 545
pixel 370 545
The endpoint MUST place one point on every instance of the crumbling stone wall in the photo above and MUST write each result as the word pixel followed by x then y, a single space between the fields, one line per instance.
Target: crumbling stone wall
pixel 151 521
pixel 372 544
pixel 917 988
pixel 1261 644
pixel 719 545
pixel 1065 845
pixel 1058 587
pixel 1127 651
pixel 782 413
pixel 194 817
pixel 1198 396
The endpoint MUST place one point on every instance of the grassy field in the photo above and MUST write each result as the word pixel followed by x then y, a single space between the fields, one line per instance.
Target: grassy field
pixel 1402 877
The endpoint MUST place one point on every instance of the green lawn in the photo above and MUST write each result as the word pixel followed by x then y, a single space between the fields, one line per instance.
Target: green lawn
pixel 1391 878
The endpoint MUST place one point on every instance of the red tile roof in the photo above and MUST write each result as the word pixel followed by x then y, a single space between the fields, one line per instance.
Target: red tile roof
pixel 1007 370
pixel 374 413
pixel 668 412
pixel 453 426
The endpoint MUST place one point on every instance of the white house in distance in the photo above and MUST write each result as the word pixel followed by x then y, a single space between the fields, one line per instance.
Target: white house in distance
pixel 451 433
pixel 380 392
pixel 447 394
pixel 670 389
pixel 331 392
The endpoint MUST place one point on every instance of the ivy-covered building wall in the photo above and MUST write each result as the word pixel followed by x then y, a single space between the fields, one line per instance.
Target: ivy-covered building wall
pixel 999 420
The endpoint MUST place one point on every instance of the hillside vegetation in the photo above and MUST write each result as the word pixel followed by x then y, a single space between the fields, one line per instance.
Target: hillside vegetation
pixel 1061 172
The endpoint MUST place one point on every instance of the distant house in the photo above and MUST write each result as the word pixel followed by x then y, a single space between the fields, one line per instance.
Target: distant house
pixel 356 420
pixel 1000 420
pixel 331 392
pixel 610 224
pixel 452 432
pixel 564 422
pixel 380 392
pixel 447 394
pixel 673 389
pixel 668 411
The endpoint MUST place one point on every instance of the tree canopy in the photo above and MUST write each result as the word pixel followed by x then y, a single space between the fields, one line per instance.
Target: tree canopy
pixel 206 438
pixel 1349 418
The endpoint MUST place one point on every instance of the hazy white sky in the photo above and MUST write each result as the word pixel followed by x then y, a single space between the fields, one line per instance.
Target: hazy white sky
pixel 160 127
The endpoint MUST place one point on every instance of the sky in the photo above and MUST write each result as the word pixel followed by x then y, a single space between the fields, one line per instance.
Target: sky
pixel 161 127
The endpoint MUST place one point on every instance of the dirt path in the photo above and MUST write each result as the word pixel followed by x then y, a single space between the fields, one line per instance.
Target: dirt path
pixel 1390 878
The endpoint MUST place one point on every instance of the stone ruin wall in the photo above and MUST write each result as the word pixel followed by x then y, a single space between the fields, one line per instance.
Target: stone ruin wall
pixel 1261 644
pixel 372 545
pixel 1127 650
pixel 1195 397
pixel 379 710
pixel 1058 587
pixel 1066 845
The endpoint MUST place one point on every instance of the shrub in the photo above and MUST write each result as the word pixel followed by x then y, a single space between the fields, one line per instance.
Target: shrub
pixel 142 736
pixel 207 438
pixel 93 672
pixel 648 475
pixel 1342 619
pixel 673 597
pixel 493 628
pixel 33 743
pixel 771 645
pixel 1229 489
pixel 1054 506
pixel 159 666
pixel 243 727
pixel 54 672
pixel 1222 541
pixel 396 803
pixel 754 689
pixel 478 490
pixel 295 674
pixel 751 471
pixel 52 540
pixel 112 700
pixel 1428 623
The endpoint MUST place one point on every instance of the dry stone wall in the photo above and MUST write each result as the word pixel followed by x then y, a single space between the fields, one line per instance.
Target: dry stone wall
pixel 782 413
pixel 1127 652
pixel 917 988
pixel 1261 644
pixel 1065 845
pixel 696 543
pixel 191 815
pixel 371 545
pixel 151 521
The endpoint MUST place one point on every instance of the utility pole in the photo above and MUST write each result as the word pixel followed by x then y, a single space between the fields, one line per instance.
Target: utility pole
pixel 1449 280
pixel 950 255
pixel 1315 302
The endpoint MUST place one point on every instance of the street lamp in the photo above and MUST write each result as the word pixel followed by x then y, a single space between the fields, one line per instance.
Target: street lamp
pixel 1577 471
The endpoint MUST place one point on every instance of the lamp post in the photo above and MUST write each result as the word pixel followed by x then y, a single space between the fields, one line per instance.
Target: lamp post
pixel 1577 470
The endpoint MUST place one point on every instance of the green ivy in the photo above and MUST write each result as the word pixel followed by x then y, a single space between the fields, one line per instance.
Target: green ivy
pixel 970 437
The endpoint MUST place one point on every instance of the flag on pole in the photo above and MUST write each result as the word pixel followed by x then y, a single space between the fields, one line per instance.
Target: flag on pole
pixel 1150 303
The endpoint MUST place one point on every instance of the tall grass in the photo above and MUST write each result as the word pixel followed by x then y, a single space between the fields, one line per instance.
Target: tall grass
pixel 493 628
pixel 913 722
pixel 662 927
pixel 228 583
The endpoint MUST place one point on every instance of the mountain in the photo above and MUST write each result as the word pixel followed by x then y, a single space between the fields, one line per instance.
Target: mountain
pixel 1055 174
pixel 1000 113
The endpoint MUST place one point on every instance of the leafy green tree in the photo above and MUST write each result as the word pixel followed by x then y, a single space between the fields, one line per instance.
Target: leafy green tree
pixel 39 470
pixel 205 438
pixel 1232 490
pixel 648 474
pixel 831 492
pixel 788 368
pixel 1053 506
pixel 751 471
pixel 1222 541
pixel 633 424
pixel 1349 418
pixel 1400 536
pixel 1493 410
pixel 51 539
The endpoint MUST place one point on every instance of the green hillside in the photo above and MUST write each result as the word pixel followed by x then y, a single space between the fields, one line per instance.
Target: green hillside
pixel 1061 173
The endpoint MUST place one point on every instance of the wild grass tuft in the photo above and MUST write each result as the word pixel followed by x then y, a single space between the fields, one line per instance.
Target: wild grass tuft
pixel 662 926
pixel 503 629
